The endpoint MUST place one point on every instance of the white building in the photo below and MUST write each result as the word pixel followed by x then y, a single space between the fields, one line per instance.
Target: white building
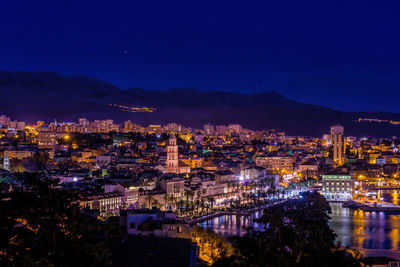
pixel 18 125
pixel 221 129
pixel 337 187
pixel 130 192
pixel 173 187
pixel 106 203
pixel 237 128
pixel 103 160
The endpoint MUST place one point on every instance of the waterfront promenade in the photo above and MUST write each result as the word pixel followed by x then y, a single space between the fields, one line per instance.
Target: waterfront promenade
pixel 238 212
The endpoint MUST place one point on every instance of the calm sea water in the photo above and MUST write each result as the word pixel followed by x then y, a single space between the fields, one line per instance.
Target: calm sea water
pixel 372 233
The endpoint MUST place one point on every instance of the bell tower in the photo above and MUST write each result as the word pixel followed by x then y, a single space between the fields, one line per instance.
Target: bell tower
pixel 6 162
pixel 172 156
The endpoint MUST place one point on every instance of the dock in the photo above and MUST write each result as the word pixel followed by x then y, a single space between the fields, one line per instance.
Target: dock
pixel 245 212
pixel 370 207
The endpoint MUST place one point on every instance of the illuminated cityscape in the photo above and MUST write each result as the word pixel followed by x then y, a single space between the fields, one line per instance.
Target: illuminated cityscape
pixel 182 176
pixel 208 133
pixel 133 109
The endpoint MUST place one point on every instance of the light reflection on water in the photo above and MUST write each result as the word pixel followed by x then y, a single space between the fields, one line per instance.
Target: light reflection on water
pixel 229 225
pixel 374 234
pixel 391 196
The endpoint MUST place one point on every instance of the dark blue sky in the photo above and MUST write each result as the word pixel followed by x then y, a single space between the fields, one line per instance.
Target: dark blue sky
pixel 341 54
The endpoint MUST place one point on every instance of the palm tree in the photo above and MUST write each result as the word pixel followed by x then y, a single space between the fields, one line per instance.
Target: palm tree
pixel 269 193
pixel 259 193
pixel 230 186
pixel 169 201
pixel 211 200
pixel 157 204
pixel 203 194
pixel 225 196
pixel 263 183
pixel 180 204
pixel 202 205
pixel 238 187
pixel 149 199
pixel 203 191
pixel 245 197
pixel 197 203
pixel 166 201
pixel 189 196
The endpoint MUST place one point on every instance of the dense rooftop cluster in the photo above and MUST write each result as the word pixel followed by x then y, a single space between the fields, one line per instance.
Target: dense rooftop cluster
pixel 160 180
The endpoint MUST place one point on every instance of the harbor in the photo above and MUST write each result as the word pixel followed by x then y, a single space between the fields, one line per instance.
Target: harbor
pixel 372 206
pixel 240 212
pixel 370 232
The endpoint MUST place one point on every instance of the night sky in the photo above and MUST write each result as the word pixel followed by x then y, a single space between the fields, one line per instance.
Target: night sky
pixel 340 54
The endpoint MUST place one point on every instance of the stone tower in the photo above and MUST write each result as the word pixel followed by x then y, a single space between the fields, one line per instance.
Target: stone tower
pixel 6 162
pixel 172 156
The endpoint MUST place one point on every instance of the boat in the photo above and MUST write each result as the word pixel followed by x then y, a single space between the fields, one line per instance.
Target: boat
pixel 351 204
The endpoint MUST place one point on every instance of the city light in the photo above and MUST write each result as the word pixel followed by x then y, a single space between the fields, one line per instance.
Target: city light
pixel 207 133
pixel 133 109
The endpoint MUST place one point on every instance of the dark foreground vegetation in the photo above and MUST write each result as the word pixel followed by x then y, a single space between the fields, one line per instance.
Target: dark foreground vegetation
pixel 43 226
pixel 296 233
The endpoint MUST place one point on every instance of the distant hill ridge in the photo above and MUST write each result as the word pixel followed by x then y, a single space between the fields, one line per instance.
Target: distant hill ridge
pixel 40 95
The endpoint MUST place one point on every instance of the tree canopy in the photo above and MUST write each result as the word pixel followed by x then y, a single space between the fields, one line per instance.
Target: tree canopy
pixel 296 233
pixel 44 226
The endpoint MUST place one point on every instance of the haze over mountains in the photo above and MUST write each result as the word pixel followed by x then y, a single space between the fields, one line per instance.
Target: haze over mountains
pixel 33 96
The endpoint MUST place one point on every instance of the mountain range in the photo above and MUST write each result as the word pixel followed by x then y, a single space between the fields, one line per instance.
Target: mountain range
pixel 32 96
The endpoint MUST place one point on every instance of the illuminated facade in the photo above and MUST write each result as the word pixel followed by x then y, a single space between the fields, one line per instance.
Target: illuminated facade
pixel 174 187
pixel 84 125
pixel 275 163
pixel 18 154
pixel 47 138
pixel 338 145
pixel 337 187
pixel 128 125
pixel 193 162
pixel 17 125
pixel 209 129
pixel 221 129
pixel 39 124
pixel 308 169
pixel 4 120
pixel 6 162
pixel 172 156
pixel 237 128
pixel 104 126
pixel 106 203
